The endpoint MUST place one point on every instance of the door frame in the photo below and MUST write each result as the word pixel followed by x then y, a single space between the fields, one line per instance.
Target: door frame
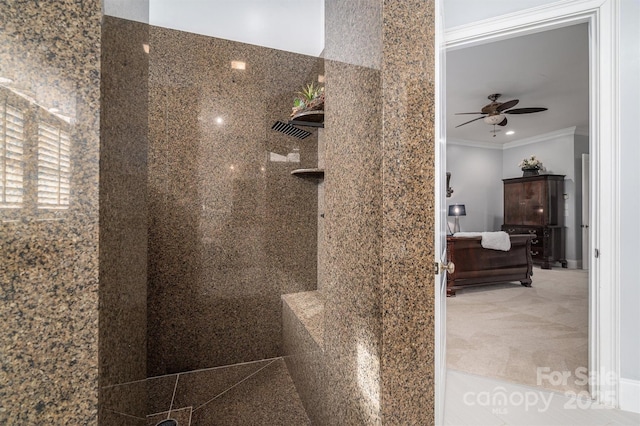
pixel 440 243
pixel 602 17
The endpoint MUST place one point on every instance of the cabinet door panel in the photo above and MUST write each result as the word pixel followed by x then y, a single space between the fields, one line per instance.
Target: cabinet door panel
pixel 512 206
pixel 534 195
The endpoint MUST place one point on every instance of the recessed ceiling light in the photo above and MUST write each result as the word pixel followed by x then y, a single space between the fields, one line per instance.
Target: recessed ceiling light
pixel 238 65
pixel 510 132
pixel 219 120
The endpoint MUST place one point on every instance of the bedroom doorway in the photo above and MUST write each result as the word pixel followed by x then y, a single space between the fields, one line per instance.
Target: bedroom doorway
pixel 602 346
pixel 507 331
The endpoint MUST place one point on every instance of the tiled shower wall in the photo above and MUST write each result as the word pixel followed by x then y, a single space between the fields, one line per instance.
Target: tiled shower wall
pixel 50 70
pixel 123 208
pixel 379 139
pixel 230 229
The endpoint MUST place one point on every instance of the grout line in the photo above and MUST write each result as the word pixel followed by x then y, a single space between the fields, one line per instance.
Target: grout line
pixel 170 411
pixel 240 382
pixel 158 413
pixel 173 397
pixel 190 371
pixel 231 365
pixel 138 381
pixel 123 414
pixel 190 415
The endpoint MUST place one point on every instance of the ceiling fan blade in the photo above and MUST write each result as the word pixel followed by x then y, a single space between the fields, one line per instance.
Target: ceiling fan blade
pixel 470 121
pixel 524 110
pixel 507 105
pixel 490 108
pixel 503 122
pixel 460 113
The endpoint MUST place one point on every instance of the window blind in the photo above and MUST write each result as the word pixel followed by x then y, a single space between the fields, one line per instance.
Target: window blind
pixel 54 167
pixel 11 156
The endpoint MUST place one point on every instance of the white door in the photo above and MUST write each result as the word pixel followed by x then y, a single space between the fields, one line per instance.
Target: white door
pixel 585 212
pixel 441 218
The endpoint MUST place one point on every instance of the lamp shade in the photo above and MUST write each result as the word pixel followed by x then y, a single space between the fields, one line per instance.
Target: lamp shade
pixel 457 210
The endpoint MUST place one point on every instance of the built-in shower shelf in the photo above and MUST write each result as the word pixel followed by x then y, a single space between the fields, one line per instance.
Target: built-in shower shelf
pixel 309 173
pixel 308 119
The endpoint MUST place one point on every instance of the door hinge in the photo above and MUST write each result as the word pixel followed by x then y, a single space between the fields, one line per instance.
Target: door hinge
pixel 596 252
pixel 436 268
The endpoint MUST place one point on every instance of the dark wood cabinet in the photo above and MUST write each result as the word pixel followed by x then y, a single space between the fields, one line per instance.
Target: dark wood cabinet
pixel 534 205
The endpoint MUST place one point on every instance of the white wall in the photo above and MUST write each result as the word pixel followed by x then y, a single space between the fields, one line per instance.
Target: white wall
pixel 291 25
pixel 630 190
pixel 477 174
pixel 476 179
pixel 133 10
pixel 557 155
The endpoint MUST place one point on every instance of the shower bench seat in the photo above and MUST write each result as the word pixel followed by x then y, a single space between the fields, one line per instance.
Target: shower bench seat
pixel 303 344
pixel 307 310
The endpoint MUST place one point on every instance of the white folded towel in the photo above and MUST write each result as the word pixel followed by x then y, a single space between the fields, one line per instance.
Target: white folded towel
pixel 490 240
pixel 468 234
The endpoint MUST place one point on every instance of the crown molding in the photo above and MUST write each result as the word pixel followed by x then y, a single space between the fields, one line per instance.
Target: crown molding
pixel 473 144
pixel 582 131
pixel 569 131
pixel 556 134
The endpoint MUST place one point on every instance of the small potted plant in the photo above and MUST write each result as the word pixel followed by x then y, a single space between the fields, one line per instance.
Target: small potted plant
pixel 531 166
pixel 310 98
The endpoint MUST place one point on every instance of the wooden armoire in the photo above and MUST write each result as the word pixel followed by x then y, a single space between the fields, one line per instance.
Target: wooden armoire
pixel 535 205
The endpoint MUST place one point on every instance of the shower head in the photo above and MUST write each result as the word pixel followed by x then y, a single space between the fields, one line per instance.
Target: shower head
pixel 290 130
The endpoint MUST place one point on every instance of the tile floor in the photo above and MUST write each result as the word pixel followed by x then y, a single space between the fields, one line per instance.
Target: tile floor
pixel 262 393
pixel 476 400
pixel 512 333
pixel 254 393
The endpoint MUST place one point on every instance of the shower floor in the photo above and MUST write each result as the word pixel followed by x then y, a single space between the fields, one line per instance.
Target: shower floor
pixel 260 392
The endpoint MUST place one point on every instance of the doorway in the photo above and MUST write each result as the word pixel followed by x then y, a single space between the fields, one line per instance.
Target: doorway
pixel 501 330
pixel 603 330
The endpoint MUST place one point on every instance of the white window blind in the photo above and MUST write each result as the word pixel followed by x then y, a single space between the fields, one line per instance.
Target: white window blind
pixel 54 167
pixel 11 156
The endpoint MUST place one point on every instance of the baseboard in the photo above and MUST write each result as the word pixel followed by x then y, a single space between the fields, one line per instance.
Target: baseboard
pixel 629 395
pixel 574 264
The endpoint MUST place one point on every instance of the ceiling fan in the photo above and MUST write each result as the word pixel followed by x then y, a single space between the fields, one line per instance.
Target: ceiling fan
pixel 494 113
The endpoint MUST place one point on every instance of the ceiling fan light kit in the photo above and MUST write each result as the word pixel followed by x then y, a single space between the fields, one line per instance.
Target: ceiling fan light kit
pixel 494 119
pixel 494 113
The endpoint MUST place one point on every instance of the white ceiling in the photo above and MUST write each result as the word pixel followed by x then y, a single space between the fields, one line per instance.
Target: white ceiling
pixel 548 69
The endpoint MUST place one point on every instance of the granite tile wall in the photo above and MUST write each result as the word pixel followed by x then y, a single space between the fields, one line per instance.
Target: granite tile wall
pixel 50 72
pixel 353 240
pixel 230 229
pixel 379 155
pixel 123 207
pixel 408 291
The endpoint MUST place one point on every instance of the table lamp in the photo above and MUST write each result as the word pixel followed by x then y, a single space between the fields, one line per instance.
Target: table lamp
pixel 457 210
